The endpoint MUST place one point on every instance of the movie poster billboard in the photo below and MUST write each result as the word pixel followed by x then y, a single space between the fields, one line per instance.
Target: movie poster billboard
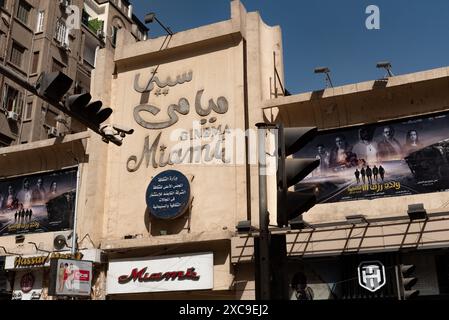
pixel 37 203
pixel 395 158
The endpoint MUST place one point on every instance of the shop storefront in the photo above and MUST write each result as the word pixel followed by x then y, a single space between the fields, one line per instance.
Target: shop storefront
pixel 31 273
pixel 338 278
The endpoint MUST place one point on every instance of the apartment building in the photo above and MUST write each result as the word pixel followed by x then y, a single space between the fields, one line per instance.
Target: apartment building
pixel 35 37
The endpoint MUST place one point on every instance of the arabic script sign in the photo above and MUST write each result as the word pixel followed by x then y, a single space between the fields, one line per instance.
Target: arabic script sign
pixel 168 195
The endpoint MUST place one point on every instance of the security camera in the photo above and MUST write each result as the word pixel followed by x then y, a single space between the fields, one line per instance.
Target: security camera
pixel 108 131
pixel 123 129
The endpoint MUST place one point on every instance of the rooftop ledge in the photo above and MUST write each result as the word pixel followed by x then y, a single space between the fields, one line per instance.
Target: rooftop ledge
pixel 366 86
pixel 111 245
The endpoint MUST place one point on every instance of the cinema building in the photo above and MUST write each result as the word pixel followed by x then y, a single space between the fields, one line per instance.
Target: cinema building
pixel 157 216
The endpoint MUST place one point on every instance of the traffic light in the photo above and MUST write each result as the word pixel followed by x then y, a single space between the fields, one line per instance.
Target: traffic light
pixel 53 87
pixel 407 281
pixel 92 113
pixel 290 205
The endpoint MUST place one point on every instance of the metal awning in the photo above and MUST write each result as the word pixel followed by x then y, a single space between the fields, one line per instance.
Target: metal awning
pixel 379 235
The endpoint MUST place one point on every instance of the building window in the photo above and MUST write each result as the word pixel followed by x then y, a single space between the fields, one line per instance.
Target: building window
pixel 35 62
pixel 57 66
pixel 61 34
pixel 50 118
pixel 40 21
pixel 114 36
pixel 29 111
pixel 85 18
pixel 17 52
pixel 12 99
pixel 23 12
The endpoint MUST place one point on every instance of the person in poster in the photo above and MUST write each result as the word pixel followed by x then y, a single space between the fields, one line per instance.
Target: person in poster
pixel 39 191
pixel 62 276
pixel 389 146
pixel 366 148
pixel 323 155
pixel 11 201
pixel 25 195
pixel 53 192
pixel 341 155
pixel 357 175
pixel 412 142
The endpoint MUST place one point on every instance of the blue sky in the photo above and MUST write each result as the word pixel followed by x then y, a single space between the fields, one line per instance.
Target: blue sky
pixel 413 35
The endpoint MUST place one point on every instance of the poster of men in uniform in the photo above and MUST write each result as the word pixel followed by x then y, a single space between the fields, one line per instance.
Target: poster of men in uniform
pixel 37 203
pixel 401 157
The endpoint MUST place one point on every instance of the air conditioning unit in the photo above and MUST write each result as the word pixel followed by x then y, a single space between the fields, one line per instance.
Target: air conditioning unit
pixel 53 132
pixel 11 115
pixel 62 240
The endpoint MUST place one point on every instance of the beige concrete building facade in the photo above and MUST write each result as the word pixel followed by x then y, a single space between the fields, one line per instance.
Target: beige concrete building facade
pixel 197 88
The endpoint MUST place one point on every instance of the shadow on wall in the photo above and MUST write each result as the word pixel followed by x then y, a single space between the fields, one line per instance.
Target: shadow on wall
pixel 157 227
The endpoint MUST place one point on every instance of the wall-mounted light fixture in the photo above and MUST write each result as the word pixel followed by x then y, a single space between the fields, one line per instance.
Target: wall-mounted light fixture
pixel 417 212
pixel 20 238
pixel 356 219
pixel 244 226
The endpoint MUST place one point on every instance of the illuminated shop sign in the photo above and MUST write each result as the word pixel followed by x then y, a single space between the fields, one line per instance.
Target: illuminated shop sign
pixel 70 278
pixel 161 274
pixel 18 262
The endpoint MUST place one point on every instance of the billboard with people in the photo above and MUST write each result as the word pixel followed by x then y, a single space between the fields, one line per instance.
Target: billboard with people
pixel 37 203
pixel 394 158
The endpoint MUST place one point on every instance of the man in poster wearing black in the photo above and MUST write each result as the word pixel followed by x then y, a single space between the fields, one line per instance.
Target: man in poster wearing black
pixel 389 146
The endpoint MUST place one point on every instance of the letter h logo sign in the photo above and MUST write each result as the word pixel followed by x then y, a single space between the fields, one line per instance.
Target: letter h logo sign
pixel 371 275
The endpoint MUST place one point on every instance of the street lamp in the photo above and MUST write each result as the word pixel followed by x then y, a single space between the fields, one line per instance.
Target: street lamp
pixel 387 66
pixel 151 17
pixel 326 71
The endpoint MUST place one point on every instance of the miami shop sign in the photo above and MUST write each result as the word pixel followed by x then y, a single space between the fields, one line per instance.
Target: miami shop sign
pixel 161 274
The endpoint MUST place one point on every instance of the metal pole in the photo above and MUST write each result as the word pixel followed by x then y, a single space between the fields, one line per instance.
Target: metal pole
pixel 396 270
pixel 264 237
pixel 75 216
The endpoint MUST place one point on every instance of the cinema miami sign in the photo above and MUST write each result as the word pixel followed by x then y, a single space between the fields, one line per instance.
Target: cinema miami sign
pixel 204 142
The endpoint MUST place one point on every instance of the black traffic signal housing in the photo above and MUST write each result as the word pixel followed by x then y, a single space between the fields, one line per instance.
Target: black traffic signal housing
pixel 291 205
pixel 54 86
pixel 407 281
pixel 91 112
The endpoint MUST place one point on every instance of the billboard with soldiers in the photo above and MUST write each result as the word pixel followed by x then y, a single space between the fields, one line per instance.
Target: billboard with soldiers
pixel 37 203
pixel 394 158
